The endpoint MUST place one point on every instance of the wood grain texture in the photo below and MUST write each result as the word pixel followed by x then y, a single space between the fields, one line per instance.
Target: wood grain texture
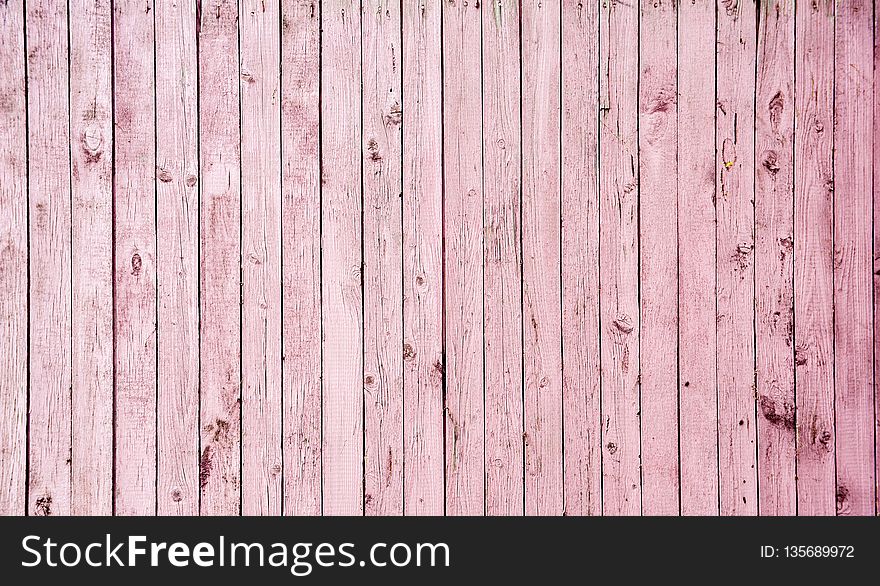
pixel 853 262
pixel 49 346
pixel 580 259
pixel 301 256
pixel 341 259
pixel 13 262
pixel 177 258
pixel 261 465
pixel 383 258
pixel 502 259
pixel 876 203
pixel 697 375
pixel 774 245
pixel 135 253
pixel 542 244
pixel 463 262
pixel 735 261
pixel 619 309
pixel 658 242
pixel 220 259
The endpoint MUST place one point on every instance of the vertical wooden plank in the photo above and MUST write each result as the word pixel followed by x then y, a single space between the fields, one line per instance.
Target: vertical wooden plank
pixel 502 258
pixel 219 153
pixel 658 242
pixel 301 255
pixel 734 163
pixel 91 152
pixel 619 261
pixel 383 240
pixel 463 263
pixel 341 259
pixel 774 233
pixel 259 30
pixel 853 263
pixel 135 270
pixel 13 261
pixel 580 259
pixel 422 260
pixel 813 257
pixel 876 218
pixel 49 246
pixel 541 217
pixel 698 398
pixel 177 257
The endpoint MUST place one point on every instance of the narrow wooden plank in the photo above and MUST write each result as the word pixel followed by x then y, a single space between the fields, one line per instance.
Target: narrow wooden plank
pixel 91 151
pixel 177 257
pixel 580 259
pixel 13 261
pixel 502 259
pixel 698 398
pixel 49 350
pixel 876 248
pixel 341 259
pixel 259 40
pixel 734 164
pixel 301 256
pixel 853 262
pixel 383 241
pixel 774 233
pixel 541 236
pixel 423 458
pixel 220 272
pixel 619 261
pixel 813 257
pixel 658 242
pixel 135 270
pixel 463 263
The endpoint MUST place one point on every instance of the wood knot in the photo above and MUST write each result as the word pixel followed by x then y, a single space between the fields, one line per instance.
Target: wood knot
pixel 394 116
pixel 164 176
pixel 623 323
pixel 191 180
pixel 373 151
pixel 409 354
pixel 43 506
pixel 780 415
pixel 771 162
pixel 611 447
pixel 136 264
pixel 176 495
pixel 776 107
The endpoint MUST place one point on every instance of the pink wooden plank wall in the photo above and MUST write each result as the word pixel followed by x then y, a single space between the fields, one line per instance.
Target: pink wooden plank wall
pixel 455 257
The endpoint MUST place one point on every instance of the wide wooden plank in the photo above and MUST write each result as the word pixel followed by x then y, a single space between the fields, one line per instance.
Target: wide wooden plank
pixel 698 394
pixel 259 42
pixel 774 245
pixel 220 270
pixel 853 262
pixel 735 265
pixel 341 259
pixel 177 258
pixel 580 259
pixel 658 243
pixel 423 458
pixel 463 263
pixel 301 256
pixel 49 348
pixel 135 270
pixel 383 240
pixel 541 237
pixel 13 261
pixel 502 259
pixel 619 260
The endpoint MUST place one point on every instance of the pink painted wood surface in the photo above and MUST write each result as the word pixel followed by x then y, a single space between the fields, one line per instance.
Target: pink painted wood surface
pixel 542 243
pixel 619 313
pixel 774 247
pixel 580 259
pixel 301 257
pixel 658 242
pixel 13 262
pixel 697 356
pixel 876 247
pixel 220 260
pixel 177 259
pixel 463 262
pixel 502 259
pixel 342 308
pixel 261 464
pixel 383 258
pixel 853 262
